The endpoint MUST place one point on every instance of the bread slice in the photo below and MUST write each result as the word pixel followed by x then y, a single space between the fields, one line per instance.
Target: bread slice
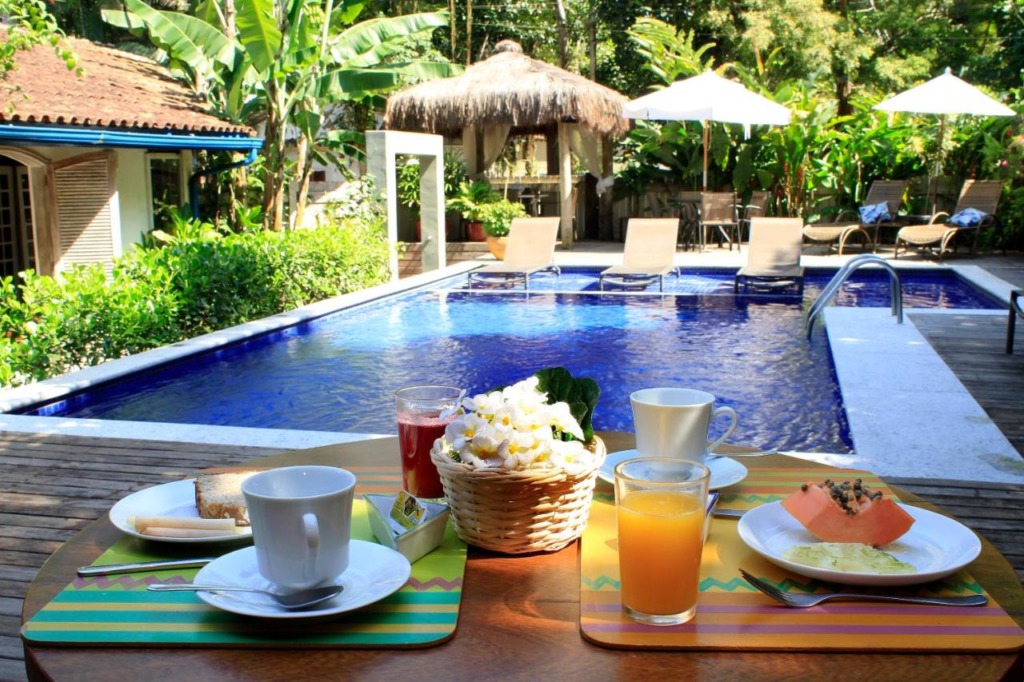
pixel 219 496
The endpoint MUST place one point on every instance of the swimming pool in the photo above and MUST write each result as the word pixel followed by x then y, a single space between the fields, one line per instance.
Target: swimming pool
pixel 338 373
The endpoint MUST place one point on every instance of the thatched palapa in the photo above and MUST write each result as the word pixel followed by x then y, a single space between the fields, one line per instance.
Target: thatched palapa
pixel 507 88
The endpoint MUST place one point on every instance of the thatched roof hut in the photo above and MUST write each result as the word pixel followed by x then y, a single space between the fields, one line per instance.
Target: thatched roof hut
pixel 507 88
pixel 512 94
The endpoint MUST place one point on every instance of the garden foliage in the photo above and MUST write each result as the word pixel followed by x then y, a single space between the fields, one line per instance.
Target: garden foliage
pixel 194 284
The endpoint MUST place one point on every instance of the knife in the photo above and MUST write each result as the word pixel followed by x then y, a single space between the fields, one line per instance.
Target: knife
pixel 728 513
pixel 86 571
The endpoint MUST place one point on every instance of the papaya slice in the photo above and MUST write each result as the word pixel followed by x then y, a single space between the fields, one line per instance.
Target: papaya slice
pixel 848 512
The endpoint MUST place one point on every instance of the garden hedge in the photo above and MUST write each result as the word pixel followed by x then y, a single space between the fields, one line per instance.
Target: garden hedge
pixel 191 286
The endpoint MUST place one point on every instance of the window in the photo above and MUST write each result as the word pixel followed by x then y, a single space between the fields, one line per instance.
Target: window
pixel 164 189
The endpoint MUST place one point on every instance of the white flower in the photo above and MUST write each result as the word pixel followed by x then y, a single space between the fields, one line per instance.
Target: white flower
pixel 515 428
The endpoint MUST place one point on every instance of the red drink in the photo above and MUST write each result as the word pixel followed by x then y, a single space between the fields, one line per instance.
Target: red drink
pixel 416 436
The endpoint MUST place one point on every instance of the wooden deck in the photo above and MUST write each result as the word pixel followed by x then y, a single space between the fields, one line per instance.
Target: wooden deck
pixel 51 486
pixel 974 348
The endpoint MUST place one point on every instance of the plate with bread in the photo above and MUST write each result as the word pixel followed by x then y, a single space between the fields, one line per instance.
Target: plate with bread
pixel 207 508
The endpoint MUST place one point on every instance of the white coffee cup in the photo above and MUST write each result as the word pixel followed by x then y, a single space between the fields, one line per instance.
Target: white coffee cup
pixel 301 523
pixel 674 422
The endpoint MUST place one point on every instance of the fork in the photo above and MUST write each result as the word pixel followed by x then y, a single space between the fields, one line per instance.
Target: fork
pixel 803 601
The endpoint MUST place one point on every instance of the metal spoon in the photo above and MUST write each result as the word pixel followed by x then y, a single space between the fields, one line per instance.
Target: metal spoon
pixel 295 600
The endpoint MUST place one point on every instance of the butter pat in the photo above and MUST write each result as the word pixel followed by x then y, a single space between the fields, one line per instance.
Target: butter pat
pixel 407 511
pixel 413 542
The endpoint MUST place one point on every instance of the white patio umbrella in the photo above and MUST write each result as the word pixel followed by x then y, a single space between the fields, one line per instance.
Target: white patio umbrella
pixel 944 95
pixel 705 98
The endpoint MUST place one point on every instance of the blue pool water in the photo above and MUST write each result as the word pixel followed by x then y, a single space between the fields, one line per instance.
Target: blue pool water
pixel 338 373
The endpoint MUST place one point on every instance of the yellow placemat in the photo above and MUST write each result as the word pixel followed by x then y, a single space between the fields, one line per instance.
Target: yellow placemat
pixel 733 615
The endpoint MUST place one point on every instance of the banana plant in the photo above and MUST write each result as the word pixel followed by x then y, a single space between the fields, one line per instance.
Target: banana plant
pixel 280 65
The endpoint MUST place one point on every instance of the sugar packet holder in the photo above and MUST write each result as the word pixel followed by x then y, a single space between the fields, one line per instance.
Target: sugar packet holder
pixel 406 524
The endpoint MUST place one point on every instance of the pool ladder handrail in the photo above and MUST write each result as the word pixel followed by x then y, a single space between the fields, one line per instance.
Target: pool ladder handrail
pixel 832 288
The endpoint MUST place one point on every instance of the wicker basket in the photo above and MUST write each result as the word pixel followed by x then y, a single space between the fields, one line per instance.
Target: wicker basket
pixel 516 512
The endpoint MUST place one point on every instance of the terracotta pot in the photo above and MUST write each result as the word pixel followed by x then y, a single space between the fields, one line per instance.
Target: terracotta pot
pixel 497 246
pixel 475 232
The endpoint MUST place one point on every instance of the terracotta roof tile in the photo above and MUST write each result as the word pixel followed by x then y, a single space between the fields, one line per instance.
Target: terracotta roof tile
pixel 116 90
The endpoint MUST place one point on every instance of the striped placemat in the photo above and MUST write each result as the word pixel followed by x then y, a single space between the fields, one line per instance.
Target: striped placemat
pixel 732 615
pixel 118 609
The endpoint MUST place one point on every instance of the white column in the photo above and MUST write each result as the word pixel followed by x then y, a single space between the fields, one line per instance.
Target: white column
pixel 381 148
pixel 565 185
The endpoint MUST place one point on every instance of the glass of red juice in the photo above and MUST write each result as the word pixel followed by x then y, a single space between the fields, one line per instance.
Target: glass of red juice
pixel 423 412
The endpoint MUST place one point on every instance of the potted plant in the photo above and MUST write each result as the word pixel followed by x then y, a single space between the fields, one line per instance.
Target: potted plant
pixel 497 218
pixel 470 201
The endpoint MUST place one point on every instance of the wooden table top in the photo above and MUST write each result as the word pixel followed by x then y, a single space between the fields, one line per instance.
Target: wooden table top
pixel 519 619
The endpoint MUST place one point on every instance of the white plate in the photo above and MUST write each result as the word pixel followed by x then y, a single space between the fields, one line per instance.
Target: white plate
pixel 935 545
pixel 374 572
pixel 169 499
pixel 724 471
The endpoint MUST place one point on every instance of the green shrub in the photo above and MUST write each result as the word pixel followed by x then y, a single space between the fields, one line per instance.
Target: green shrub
pixel 84 319
pixel 193 285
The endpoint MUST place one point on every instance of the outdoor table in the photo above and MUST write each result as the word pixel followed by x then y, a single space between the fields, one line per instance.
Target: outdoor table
pixel 519 619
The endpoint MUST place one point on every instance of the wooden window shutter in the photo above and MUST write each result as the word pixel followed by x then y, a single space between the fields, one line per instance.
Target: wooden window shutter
pixel 83 191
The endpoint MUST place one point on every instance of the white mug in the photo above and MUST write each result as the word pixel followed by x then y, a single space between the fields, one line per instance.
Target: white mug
pixel 674 422
pixel 301 523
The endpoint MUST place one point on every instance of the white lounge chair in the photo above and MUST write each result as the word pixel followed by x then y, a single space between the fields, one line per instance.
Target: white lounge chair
pixel 649 253
pixel 773 256
pixel 531 249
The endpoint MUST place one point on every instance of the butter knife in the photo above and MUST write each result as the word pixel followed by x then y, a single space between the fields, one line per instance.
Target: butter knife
pixel 728 513
pixel 86 571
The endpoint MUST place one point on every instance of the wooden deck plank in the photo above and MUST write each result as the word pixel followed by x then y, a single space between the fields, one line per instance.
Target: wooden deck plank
pixel 51 485
pixel 973 346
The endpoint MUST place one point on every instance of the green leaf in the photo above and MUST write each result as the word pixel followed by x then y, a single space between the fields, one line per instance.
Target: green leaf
pixel 122 19
pixel 210 40
pixel 258 32
pixel 362 44
pixel 348 12
pixel 167 35
pixel 354 84
pixel 581 395
pixel 427 70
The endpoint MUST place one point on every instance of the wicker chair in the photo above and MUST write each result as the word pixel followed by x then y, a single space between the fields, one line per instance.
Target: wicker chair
pixel 982 195
pixel 718 213
pixel 840 231
pixel 754 209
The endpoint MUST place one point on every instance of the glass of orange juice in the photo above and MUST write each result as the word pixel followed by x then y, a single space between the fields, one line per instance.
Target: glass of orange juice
pixel 660 505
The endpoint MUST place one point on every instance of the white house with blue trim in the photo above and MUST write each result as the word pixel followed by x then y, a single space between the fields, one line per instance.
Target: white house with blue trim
pixel 86 159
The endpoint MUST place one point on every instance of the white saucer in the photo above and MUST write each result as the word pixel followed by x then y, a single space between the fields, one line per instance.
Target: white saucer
pixel 724 470
pixel 168 499
pixel 374 572
pixel 935 545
